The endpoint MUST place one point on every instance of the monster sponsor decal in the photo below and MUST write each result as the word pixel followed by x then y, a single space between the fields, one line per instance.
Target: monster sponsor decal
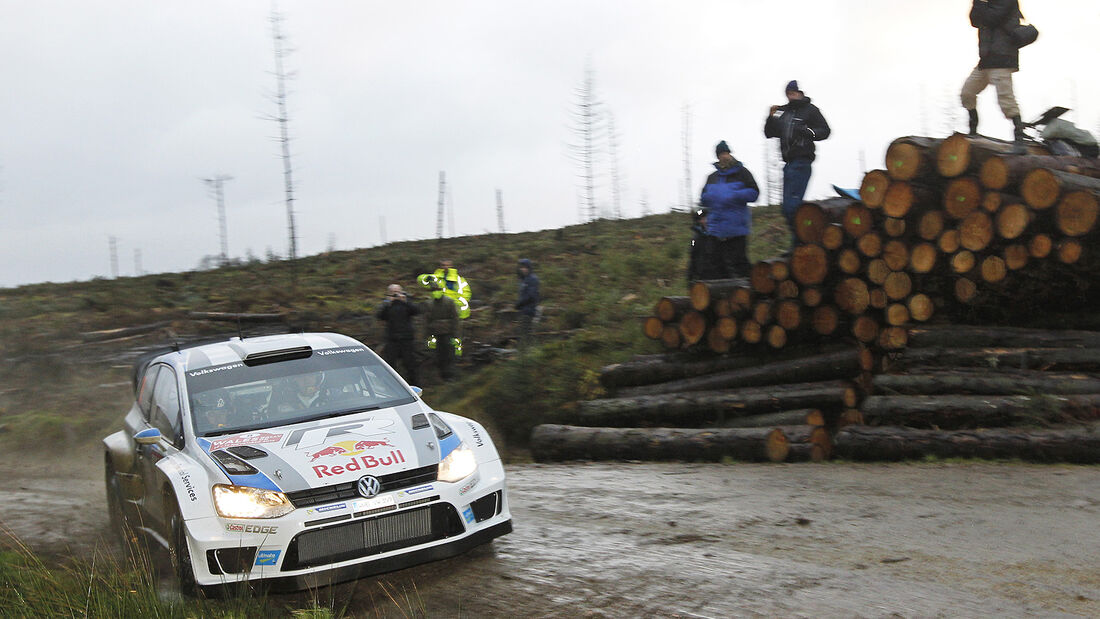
pixel 248 438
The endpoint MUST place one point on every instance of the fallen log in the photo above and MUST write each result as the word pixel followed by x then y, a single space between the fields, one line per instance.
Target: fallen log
pixel 1004 172
pixel 1085 359
pixel 872 190
pixel 651 369
pixel 912 158
pixel 111 334
pixel 700 407
pixel 552 442
pixel 1077 445
pixel 670 309
pixel 985 382
pixel 234 317
pixel 1042 188
pixel 826 366
pixel 802 443
pixel 955 412
pixel 959 336
pixel 797 417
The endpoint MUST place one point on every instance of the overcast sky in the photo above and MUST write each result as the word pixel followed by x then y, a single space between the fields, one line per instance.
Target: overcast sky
pixel 113 112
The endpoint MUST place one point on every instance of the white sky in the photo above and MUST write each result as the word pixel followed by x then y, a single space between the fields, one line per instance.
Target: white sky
pixel 114 111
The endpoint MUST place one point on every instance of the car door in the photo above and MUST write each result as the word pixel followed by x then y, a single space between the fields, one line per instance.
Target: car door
pixel 164 415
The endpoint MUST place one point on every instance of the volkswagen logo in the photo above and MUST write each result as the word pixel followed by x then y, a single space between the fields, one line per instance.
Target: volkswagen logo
pixel 369 486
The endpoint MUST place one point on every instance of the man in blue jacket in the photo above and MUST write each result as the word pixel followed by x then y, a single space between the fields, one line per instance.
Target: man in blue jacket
pixel 998 59
pixel 726 196
pixel 798 124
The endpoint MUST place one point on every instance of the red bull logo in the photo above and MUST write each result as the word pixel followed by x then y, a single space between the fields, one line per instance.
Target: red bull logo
pixel 348 448
pixel 362 463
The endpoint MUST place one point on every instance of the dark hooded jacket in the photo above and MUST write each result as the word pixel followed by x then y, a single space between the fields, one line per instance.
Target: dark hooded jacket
pixel 994 20
pixel 798 124
pixel 528 302
pixel 726 197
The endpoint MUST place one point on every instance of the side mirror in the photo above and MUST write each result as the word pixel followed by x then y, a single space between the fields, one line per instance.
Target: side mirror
pixel 152 436
pixel 416 390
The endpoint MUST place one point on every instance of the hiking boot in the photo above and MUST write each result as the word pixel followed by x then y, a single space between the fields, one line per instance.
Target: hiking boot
pixel 1018 146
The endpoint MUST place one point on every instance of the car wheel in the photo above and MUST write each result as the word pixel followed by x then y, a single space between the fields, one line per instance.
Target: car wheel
pixel 181 555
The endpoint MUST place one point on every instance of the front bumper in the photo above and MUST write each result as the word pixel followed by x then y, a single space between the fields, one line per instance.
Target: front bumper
pixel 326 544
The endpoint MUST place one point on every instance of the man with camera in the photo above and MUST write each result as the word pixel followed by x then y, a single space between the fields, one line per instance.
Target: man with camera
pixel 397 312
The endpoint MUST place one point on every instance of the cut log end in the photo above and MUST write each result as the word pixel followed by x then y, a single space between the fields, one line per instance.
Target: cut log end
pixel 872 190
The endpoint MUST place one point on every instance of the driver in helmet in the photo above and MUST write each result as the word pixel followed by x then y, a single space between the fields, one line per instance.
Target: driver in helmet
pixel 214 408
pixel 305 392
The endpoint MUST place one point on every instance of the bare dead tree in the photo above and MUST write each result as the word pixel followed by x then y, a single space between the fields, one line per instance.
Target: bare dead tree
pixel 216 183
pixel 282 118
pixel 616 174
pixel 112 243
pixel 689 200
pixel 440 209
pixel 588 128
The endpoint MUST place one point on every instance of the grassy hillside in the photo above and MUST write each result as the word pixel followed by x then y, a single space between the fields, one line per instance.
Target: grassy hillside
pixel 598 281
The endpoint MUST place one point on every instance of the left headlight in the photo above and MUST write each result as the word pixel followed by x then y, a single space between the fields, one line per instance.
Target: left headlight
pixel 458 464
pixel 246 502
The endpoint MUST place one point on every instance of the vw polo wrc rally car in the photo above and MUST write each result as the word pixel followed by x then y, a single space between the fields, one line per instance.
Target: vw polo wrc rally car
pixel 299 460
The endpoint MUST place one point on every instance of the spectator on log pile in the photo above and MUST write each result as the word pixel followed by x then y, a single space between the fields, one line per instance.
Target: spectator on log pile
pixel 528 302
pixel 798 124
pixel 998 59
pixel 726 196
pixel 397 312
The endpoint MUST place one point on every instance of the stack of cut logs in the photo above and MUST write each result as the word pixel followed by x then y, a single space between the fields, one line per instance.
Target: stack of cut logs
pixel 956 228
pixel 956 225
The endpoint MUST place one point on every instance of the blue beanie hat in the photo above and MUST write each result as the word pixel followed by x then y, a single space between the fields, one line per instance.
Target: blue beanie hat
pixel 721 148
pixel 792 86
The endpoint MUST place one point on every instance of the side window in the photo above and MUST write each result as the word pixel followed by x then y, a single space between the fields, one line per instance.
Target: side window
pixel 145 391
pixel 166 405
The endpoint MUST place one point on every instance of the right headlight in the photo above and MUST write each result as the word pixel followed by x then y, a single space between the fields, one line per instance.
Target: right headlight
pixel 458 465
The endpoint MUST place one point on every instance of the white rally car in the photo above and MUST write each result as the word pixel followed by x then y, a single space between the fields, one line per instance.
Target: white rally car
pixel 299 461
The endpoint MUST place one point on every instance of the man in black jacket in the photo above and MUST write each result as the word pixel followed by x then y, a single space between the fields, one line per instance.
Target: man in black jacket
pixel 998 59
pixel 798 124
pixel 397 312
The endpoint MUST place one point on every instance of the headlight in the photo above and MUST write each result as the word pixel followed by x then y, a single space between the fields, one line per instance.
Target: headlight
pixel 458 464
pixel 245 502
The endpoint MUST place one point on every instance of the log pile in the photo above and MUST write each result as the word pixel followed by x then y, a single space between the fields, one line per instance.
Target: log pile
pixel 955 231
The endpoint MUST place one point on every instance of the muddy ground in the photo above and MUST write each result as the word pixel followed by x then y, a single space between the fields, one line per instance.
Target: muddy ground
pixel 702 540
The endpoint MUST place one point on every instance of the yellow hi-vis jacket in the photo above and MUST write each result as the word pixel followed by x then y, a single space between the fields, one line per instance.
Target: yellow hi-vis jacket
pixel 454 286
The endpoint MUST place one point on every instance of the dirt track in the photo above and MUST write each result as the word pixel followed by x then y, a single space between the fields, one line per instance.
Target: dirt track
pixel 627 540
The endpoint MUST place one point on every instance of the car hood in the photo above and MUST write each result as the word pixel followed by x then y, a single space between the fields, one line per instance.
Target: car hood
pixel 331 451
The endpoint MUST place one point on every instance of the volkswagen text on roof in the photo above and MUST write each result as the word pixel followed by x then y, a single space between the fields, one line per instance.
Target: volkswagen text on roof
pixel 299 460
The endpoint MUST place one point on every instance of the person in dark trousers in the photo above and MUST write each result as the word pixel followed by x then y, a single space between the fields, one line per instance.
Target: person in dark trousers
pixel 726 196
pixel 442 329
pixel 798 124
pixel 998 59
pixel 701 263
pixel 528 302
pixel 398 312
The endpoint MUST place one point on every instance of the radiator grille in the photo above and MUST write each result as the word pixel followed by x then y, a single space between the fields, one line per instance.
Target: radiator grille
pixel 339 492
pixel 362 538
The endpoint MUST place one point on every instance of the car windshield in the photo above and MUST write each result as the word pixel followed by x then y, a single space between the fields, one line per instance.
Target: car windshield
pixel 235 397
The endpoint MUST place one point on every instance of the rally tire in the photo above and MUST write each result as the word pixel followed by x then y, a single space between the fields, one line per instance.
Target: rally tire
pixel 180 555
